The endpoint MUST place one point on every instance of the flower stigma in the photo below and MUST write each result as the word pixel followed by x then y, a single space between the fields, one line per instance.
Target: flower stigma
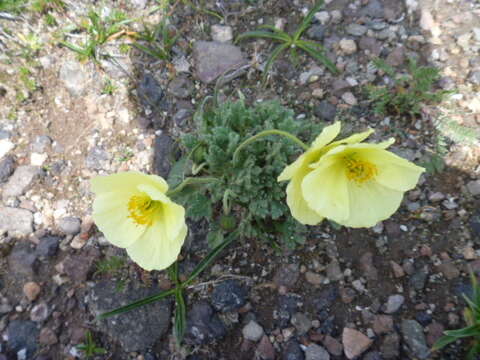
pixel 143 209
pixel 359 171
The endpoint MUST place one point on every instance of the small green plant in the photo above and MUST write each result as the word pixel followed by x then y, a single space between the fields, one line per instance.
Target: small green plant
pixel 109 87
pixel 408 93
pixel 292 42
pixel 13 6
pixel 247 195
pixel 89 348
pixel 99 31
pixel 471 315
pixel 109 265
pixel 157 41
pixel 27 79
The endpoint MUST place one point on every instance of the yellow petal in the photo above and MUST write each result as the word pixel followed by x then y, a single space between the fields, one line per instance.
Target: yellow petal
pixel 326 136
pixel 126 181
pixel 325 190
pixel 370 203
pixel 156 249
pixel 110 213
pixel 297 204
pixel 291 169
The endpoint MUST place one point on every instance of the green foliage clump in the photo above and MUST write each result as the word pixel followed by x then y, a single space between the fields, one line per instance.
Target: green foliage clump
pixel 408 93
pixel 90 348
pixel 246 194
pixel 471 315
pixel 157 41
pixel 13 6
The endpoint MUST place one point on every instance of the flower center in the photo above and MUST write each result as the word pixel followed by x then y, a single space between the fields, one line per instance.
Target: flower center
pixel 142 209
pixel 359 171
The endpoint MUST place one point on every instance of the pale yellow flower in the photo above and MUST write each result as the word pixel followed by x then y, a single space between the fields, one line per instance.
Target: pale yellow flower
pixel 133 212
pixel 352 183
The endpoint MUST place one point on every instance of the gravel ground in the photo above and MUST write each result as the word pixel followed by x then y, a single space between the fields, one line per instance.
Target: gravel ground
pixel 382 293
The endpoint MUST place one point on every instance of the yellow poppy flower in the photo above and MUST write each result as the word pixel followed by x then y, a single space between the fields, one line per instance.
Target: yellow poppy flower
pixel 133 212
pixel 352 183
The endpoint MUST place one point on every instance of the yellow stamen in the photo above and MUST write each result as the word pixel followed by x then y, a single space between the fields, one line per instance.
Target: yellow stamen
pixel 359 171
pixel 143 209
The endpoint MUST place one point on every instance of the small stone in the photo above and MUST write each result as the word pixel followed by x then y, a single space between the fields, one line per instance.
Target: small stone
pixel 77 266
pixel 382 324
pixel 252 331
pixel 355 343
pixel 314 278
pixel 41 144
pixel 317 32
pixel 449 270
pixel 325 298
pixel 349 99
pixel 213 59
pixel 347 294
pixel 287 275
pixel 434 332
pixel 418 279
pixel 149 91
pixel 69 225
pixel 301 322
pixel 436 197
pixel 181 87
pixel 333 346
pixel 373 46
pixel 48 246
pixel 358 285
pixel 37 159
pixel 74 77
pixel 336 16
pixel 325 111
pixel 47 337
pixel 5 146
pixel 21 180
pixel 15 220
pixel 356 29
pixel 316 352
pixel 366 264
pixel 474 187
pixel 39 312
pixel 293 351
pixel 413 336
pixel 334 273
pixel 390 346
pixel 221 33
pixel 22 259
pixel 22 335
pixel 7 166
pixel 318 93
pixel 323 17
pixel 162 153
pixel 348 46
pixel 397 269
pixel 229 295
pixel 265 349
pixel 31 290
pixel 474 77
pixel 78 242
pixel 394 303
pixel 396 57
pixel 424 318
pixel 97 158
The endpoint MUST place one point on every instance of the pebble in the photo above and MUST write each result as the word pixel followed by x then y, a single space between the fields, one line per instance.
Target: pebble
pixel 414 337
pixel 336 16
pixel 41 144
pixel 181 87
pixel 317 32
pixel 316 352
pixel 449 270
pixel 47 337
pixel 69 225
pixel 355 343
pixel 5 146
pixel 366 264
pixel 293 351
pixel 265 349
pixel 333 346
pixel 301 322
pixel 334 273
pixel 252 331
pixel 22 334
pixel 222 33
pixel 97 158
pixel 21 180
pixel 434 332
pixel 74 77
pixel 31 290
pixel 382 324
pixel 229 295
pixel 16 220
pixel 394 303
pixel 323 17
pixel 325 111
pixel 418 279
pixel 48 246
pixel 474 77
pixel 397 269
pixel 287 275
pixel 348 46
pixel 7 166
pixel 356 29
pixel 314 278
pixel 390 346
pixel 474 187
pixel 39 312
pixel 149 91
pixel 349 99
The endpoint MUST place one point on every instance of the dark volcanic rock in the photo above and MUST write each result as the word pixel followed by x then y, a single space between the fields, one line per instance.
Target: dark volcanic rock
pixel 293 351
pixel 7 165
pixel 162 155
pixel 149 91
pixel 136 330
pixel 23 335
pixel 48 246
pixel 229 295
pixel 22 259
pixel 203 325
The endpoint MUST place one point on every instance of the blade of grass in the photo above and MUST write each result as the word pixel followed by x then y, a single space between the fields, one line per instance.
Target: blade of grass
pixel 275 53
pixel 210 257
pixel 306 20
pixel 136 304
pixel 156 54
pixel 286 36
pixel 180 316
pixel 260 34
pixel 318 56
pixel 443 341
pixel 473 330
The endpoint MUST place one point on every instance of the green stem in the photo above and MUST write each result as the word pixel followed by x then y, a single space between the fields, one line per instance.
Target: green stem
pixel 270 132
pixel 191 181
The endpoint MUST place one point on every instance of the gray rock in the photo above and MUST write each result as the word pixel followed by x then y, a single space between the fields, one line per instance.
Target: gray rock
pixel 418 279
pixel 74 77
pixel 317 32
pixel 394 303
pixel 21 179
pixel 316 352
pixel 373 9
pixel 390 346
pixel 213 59
pixel 229 295
pixel 7 166
pixel 293 351
pixel 373 355
pixel 414 337
pixel 22 335
pixel 48 246
pixel 39 312
pixel 69 225
pixel 325 111
pixel 474 77
pixel 334 273
pixel 370 44
pixel 41 143
pixel 287 275
pixel 78 266
pixel 203 325
pixel 22 260
pixel 162 154
pixel 474 187
pixel 396 57
pixel 4 134
pixel 15 220
pixel 447 83
pixel 301 322
pixel 149 91
pixel 222 33
pixel 97 158
pixel 252 331
pixel 136 330
pixel 286 307
pixel 325 298
pixel 181 87
pixel 354 343
pixel 356 29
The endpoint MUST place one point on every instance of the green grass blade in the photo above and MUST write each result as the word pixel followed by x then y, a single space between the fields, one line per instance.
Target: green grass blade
pixel 156 54
pixel 307 20
pixel 443 341
pixel 276 31
pixel 272 58
pixel 261 34
pixel 210 257
pixel 473 330
pixel 75 48
pixel 317 55
pixel 136 304
pixel 180 316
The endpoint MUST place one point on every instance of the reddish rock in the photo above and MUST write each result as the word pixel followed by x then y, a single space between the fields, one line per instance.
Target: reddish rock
pixel 449 270
pixel 355 343
pixel 434 332
pixel 265 349
pixel 333 346
pixel 47 337
pixel 397 270
pixel 366 264
pixel 31 290
pixel 382 324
